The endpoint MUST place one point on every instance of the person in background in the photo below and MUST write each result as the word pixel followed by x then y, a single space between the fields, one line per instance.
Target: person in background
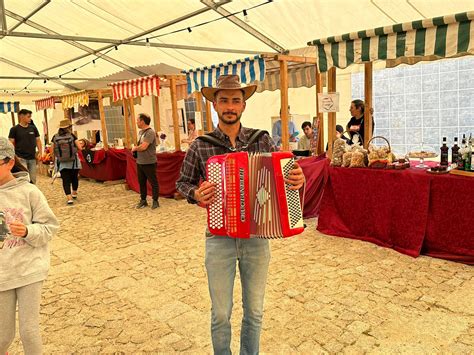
pixel 26 139
pixel 305 141
pixel 339 134
pixel 27 224
pixel 192 132
pixel 146 161
pixel 65 145
pixel 276 130
pixel 356 123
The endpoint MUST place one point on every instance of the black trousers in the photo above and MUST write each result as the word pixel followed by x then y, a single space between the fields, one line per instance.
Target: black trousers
pixel 70 177
pixel 147 172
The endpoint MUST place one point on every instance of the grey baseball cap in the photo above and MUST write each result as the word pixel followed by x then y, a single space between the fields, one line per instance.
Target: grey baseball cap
pixel 7 150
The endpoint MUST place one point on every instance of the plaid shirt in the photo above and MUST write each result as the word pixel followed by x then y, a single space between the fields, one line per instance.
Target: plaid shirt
pixel 194 164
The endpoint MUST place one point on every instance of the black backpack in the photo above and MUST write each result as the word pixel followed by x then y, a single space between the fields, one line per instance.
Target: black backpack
pixel 64 148
pixel 212 139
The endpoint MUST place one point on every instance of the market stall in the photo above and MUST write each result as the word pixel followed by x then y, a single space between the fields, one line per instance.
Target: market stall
pixel 406 210
pixel 103 165
pixel 269 72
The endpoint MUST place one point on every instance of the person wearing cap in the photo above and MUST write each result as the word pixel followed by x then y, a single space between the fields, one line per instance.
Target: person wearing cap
pixel 223 253
pixel 69 168
pixel 26 139
pixel 27 224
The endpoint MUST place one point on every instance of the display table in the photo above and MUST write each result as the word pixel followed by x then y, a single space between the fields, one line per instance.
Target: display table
pixel 316 174
pixel 410 211
pixel 105 165
pixel 167 170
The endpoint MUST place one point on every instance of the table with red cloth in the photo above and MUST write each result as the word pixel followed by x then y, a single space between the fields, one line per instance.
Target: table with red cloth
pixel 167 170
pixel 316 174
pixel 107 165
pixel 410 211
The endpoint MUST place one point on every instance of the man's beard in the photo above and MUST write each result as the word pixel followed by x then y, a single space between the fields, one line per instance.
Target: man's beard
pixel 230 121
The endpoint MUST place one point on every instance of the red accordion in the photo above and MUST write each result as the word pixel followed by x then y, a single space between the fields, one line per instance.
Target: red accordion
pixel 252 198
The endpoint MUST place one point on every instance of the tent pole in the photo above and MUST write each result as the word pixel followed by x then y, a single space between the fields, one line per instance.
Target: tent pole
pixel 174 106
pixel 368 70
pixel 13 119
pixel 198 97
pixel 102 121
pixel 284 104
pixel 46 134
pixel 132 118
pixel 319 117
pixel 210 127
pixel 156 113
pixel 126 123
pixel 331 115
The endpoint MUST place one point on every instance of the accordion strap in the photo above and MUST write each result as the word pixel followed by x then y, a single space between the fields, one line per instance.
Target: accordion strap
pixel 212 139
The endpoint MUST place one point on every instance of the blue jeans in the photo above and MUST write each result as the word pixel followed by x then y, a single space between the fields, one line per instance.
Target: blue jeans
pixel 30 164
pixel 253 256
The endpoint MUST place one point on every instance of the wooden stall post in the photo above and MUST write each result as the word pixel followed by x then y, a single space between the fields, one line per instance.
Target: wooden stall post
pixel 126 123
pixel 319 115
pixel 133 118
pixel 102 121
pixel 156 113
pixel 210 126
pixel 174 106
pixel 331 76
pixel 46 134
pixel 284 105
pixel 198 97
pixel 13 119
pixel 368 102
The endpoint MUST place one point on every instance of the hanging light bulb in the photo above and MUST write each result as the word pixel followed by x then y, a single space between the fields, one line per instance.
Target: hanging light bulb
pixel 93 63
pixel 190 30
pixel 246 18
pixel 147 43
pixel 44 81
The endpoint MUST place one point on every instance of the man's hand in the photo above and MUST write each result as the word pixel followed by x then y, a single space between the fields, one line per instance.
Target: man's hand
pixel 18 229
pixel 205 194
pixel 296 177
pixel 134 149
pixel 38 157
pixel 354 128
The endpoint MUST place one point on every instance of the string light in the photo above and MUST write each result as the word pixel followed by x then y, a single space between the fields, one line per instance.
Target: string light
pixel 93 63
pixel 147 43
pixel 116 48
pixel 44 82
pixel 190 30
pixel 246 18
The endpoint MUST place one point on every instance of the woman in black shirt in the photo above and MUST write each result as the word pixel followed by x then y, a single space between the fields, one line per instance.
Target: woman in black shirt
pixel 356 123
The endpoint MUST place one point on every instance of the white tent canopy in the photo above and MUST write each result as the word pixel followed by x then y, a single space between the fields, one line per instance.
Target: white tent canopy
pixel 95 24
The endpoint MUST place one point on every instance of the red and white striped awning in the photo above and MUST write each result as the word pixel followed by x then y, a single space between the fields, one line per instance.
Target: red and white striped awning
pixel 44 104
pixel 146 86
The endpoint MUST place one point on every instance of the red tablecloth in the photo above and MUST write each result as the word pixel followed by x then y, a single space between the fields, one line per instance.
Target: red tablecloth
pixel 316 174
pixel 107 165
pixel 167 169
pixel 410 211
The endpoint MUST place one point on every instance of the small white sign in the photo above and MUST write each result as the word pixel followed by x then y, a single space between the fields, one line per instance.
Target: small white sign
pixel 198 120
pixel 76 107
pixel 328 102
pixel 106 101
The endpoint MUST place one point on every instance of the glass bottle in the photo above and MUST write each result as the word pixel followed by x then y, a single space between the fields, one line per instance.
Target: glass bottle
pixel 444 153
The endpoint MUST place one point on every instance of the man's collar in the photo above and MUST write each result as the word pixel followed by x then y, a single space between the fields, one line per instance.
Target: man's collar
pixel 241 136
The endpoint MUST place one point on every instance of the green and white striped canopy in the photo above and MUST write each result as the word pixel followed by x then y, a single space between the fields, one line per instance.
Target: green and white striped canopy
pixel 439 37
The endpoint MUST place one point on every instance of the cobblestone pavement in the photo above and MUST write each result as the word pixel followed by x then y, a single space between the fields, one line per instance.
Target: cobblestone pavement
pixel 126 280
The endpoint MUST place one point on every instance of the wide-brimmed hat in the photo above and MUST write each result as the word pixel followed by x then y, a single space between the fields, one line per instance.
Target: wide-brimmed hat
pixel 65 124
pixel 7 150
pixel 228 82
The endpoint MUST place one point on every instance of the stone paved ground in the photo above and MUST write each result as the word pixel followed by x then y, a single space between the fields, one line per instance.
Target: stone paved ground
pixel 133 281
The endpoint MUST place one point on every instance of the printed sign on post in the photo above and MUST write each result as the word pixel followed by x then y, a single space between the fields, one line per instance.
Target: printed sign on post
pixel 328 102
pixel 106 101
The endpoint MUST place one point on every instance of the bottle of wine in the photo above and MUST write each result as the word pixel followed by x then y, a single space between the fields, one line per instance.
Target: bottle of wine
pixel 444 153
pixel 461 160
pixel 455 151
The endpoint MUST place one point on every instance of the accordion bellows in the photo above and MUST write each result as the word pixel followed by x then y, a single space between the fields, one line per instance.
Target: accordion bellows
pixel 252 198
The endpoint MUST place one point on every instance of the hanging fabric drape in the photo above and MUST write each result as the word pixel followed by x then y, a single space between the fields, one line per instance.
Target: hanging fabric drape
pixel 44 104
pixel 9 106
pixel 146 86
pixel 248 69
pixel 81 98
pixel 430 39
